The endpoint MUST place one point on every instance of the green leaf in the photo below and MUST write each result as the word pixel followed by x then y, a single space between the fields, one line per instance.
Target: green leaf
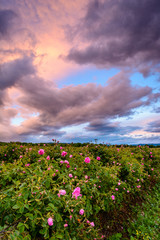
pixel 29 215
pixel 26 206
pixel 52 207
pixel 59 236
pixel 21 209
pixel 26 225
pixel 47 183
pixel 26 195
pixel 58 217
pixel 21 227
pixel 42 231
pixel 53 238
pixel 28 237
pixel 46 235
pixel 16 207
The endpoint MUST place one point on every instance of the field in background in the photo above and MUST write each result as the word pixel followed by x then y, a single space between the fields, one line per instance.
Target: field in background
pixel 79 191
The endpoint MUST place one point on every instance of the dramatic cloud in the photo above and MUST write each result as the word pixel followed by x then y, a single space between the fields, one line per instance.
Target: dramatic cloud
pixel 104 128
pixel 119 33
pixel 154 127
pixel 14 71
pixel 80 104
pixel 40 97
pixel 6 22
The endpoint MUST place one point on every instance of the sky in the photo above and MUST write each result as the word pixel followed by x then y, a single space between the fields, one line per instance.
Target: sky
pixel 80 70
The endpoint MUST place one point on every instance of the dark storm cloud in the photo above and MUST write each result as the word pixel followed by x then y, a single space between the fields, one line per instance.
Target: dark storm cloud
pixel 154 127
pixel 44 97
pixel 82 103
pixel 105 128
pixel 44 130
pixel 119 33
pixel 6 22
pixel 14 71
pixel 11 73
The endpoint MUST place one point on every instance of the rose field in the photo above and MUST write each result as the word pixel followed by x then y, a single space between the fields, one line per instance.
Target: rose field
pixel 79 191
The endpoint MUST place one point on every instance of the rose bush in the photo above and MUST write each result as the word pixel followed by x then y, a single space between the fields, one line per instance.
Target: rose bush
pixel 42 198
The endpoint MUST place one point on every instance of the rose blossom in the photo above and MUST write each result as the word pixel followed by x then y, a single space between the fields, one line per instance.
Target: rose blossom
pixel 87 160
pixel 92 224
pixel 81 212
pixel 50 221
pixel 62 192
pixel 66 162
pixel 41 151
pixel 113 197
pixel 63 154
pixel 76 192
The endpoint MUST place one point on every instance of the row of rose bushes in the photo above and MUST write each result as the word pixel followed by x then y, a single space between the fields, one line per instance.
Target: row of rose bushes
pixel 56 192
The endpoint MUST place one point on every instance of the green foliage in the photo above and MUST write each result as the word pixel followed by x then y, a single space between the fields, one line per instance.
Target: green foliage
pixel 30 185
pixel 147 222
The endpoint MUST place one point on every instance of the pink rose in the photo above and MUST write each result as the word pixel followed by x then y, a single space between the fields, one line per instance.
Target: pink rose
pixel 41 151
pixel 76 192
pixel 66 162
pixel 92 224
pixel 62 192
pixel 98 158
pixel 48 157
pixel 50 221
pixel 87 160
pixel 81 212
pixel 113 197
pixel 65 225
pixel 70 175
pixel 27 165
pixel 63 154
